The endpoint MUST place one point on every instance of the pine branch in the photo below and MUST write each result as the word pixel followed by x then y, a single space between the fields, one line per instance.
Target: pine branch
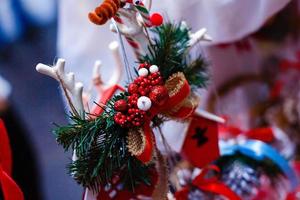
pixel 107 158
pixel 196 73
pixel 101 148
pixel 169 51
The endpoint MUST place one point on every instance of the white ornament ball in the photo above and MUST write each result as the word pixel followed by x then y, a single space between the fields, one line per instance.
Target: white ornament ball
pixel 153 68
pixel 144 103
pixel 143 72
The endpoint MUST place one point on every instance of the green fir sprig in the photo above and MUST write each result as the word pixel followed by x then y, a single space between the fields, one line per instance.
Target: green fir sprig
pixel 101 149
pixel 170 51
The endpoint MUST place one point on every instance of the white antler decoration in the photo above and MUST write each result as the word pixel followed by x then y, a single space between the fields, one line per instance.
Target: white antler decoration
pixel 200 35
pixel 68 83
pixel 115 78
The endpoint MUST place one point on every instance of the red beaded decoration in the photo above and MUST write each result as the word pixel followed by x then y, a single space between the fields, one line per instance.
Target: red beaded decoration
pixel 152 86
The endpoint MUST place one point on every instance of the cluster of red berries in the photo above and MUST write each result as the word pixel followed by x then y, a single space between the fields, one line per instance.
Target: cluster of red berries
pixel 133 117
pixel 128 114
pixel 144 85
pixel 148 84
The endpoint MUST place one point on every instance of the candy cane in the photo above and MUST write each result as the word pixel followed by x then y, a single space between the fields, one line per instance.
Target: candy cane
pixel 138 51
pixel 144 12
pixel 135 45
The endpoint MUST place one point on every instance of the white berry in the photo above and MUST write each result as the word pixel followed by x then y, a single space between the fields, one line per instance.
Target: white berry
pixel 143 72
pixel 153 69
pixel 144 103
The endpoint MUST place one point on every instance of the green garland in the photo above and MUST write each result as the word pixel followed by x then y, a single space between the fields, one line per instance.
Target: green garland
pixel 100 144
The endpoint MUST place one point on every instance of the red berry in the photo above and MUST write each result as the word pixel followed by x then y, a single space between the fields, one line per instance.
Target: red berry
pixel 144 65
pixel 156 19
pixel 147 90
pixel 159 95
pixel 132 88
pixel 155 75
pixel 141 91
pixel 120 105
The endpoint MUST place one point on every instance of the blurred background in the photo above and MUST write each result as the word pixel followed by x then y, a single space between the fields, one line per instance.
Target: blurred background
pixel 252 59
pixel 30 103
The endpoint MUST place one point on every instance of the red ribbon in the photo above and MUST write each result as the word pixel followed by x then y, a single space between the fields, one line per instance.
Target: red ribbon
pixel 106 95
pixel 10 189
pixel 146 155
pixel 211 184
pixel 264 134
pixel 176 99
pixel 241 46
pixel 286 65
pixel 184 112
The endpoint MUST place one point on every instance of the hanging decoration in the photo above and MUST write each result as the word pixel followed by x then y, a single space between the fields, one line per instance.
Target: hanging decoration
pixel 114 148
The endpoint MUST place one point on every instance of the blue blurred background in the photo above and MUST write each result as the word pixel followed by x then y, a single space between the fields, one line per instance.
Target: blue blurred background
pixel 28 36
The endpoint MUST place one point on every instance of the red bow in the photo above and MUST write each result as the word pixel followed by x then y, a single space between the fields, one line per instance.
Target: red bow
pixel 11 190
pixel 211 184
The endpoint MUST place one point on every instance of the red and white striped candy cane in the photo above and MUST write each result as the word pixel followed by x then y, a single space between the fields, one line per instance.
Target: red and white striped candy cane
pixel 138 51
pixel 144 12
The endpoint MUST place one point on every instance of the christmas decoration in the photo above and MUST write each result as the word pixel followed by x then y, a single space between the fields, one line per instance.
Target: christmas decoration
pixel 201 139
pixel 115 155
pixel 105 11
pixel 120 105
pixel 254 169
pixel 118 142
pixel 159 95
pixel 209 185
pixel 156 19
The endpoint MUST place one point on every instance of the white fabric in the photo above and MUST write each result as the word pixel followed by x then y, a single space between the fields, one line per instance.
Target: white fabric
pixel 225 20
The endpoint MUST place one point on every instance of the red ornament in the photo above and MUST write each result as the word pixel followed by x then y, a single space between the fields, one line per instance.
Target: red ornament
pixel 144 65
pixel 159 95
pixel 120 105
pixel 156 19
pixel 132 88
